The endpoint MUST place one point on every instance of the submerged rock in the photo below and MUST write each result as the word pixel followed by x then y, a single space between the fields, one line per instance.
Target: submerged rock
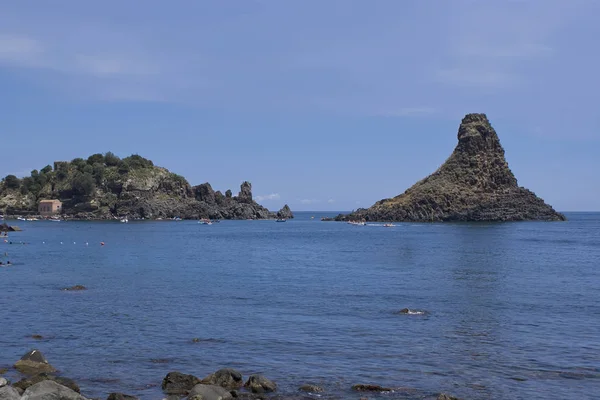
pixel 311 388
pixel 474 184
pixel 370 388
pixel 227 378
pixel 75 288
pixel 444 396
pixel 120 396
pixel 50 390
pixel 30 381
pixel 209 392
pixel 33 362
pixel 408 311
pixel 178 383
pixel 259 384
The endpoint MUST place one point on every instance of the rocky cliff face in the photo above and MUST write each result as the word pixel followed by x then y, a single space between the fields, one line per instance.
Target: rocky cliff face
pixel 474 184
pixel 106 187
pixel 285 213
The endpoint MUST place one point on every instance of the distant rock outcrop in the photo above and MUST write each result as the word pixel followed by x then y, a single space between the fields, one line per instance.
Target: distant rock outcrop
pixel 474 184
pixel 107 187
pixel 285 213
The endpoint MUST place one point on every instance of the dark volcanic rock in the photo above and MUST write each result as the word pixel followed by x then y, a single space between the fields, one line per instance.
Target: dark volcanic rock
pixel 245 195
pixel 209 392
pixel 120 396
pixel 227 378
pixel 370 388
pixel 474 184
pixel 27 382
pixel 205 193
pixel 9 393
pixel 178 383
pixel 311 388
pixel 259 384
pixel 285 213
pixel 47 390
pixel 33 362
pixel 444 396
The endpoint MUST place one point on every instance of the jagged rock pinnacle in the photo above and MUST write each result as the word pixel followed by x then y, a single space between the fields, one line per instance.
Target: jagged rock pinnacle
pixel 474 184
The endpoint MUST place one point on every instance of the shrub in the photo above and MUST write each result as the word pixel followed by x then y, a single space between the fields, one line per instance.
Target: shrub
pixel 47 169
pixel 111 160
pixel 98 172
pixel 123 167
pixel 12 182
pixel 136 161
pixel 79 164
pixel 83 184
pixel 95 159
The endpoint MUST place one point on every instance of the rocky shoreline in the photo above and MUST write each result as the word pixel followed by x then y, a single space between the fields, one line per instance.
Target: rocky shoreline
pixel 105 187
pixel 39 380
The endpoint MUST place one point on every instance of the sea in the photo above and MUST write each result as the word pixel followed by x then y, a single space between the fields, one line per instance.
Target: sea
pixel 497 310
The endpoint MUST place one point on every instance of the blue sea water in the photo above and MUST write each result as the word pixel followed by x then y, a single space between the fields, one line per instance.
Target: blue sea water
pixel 512 309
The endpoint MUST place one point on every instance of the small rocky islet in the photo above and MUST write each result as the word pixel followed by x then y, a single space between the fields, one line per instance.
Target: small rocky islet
pixel 41 381
pixel 474 184
pixel 106 187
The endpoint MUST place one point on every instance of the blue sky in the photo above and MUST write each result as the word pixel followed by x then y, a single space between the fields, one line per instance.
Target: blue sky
pixel 324 105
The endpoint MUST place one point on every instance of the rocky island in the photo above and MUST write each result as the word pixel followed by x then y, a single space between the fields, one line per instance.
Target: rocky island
pixel 474 184
pixel 104 186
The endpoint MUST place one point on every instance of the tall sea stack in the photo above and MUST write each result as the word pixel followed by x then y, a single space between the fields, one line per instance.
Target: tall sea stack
pixel 474 184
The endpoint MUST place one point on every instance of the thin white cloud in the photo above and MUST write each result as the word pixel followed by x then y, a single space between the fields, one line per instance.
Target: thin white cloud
pixel 272 196
pixel 331 201
pixel 476 77
pixel 408 112
pixel 309 201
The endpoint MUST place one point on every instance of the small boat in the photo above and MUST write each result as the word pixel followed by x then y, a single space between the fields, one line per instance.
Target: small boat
pixel 388 225
pixel 205 222
pixel 281 220
pixel 124 220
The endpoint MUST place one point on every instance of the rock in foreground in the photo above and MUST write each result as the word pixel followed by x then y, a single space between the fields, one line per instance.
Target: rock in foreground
pixel 9 393
pixel 27 382
pixel 260 384
pixel 209 392
pixel 33 362
pixel 474 184
pixel 178 383
pixel 227 378
pixel 50 390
